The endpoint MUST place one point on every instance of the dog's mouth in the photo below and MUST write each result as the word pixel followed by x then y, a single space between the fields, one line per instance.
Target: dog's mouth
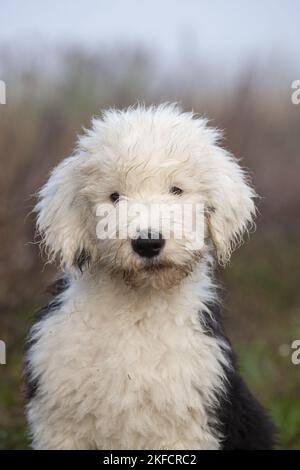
pixel 158 271
pixel 151 266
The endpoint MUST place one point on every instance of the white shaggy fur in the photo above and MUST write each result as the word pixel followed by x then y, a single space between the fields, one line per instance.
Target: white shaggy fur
pixel 125 362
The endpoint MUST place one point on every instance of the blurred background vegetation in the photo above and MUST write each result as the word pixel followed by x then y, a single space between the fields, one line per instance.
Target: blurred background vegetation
pixel 47 107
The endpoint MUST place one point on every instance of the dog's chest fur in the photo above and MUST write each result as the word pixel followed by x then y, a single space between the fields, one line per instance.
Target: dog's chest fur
pixel 127 371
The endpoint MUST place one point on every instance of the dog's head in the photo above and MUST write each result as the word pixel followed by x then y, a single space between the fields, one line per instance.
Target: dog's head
pixel 146 194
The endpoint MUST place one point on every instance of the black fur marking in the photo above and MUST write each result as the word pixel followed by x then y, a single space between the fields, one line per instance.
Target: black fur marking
pixel 212 322
pixel 59 286
pixel 81 259
pixel 31 381
pixel 243 422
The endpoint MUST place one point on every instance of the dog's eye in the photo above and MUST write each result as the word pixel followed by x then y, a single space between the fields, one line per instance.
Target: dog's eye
pixel 114 197
pixel 175 190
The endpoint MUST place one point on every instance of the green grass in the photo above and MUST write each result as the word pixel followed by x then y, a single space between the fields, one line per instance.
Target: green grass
pixel 13 429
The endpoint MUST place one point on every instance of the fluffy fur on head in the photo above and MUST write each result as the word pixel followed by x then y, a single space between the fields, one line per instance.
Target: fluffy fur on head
pixel 132 354
pixel 141 153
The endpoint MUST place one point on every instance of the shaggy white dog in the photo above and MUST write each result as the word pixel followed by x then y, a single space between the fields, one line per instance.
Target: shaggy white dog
pixel 131 354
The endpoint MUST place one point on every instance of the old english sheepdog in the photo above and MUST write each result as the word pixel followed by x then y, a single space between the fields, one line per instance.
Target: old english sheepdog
pixel 131 352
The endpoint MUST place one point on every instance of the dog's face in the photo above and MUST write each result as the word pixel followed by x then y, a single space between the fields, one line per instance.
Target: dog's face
pixel 146 195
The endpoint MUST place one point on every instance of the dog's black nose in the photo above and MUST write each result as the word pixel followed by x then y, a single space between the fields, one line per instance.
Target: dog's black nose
pixel 148 245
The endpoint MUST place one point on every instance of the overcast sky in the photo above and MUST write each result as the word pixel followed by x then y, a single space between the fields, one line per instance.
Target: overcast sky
pixel 220 31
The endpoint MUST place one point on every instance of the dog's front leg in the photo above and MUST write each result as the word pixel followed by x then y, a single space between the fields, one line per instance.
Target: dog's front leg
pixel 60 443
pixel 50 439
pixel 46 439
pixel 54 430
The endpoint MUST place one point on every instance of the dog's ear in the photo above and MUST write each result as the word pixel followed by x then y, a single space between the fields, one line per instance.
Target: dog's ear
pixel 231 208
pixel 63 220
